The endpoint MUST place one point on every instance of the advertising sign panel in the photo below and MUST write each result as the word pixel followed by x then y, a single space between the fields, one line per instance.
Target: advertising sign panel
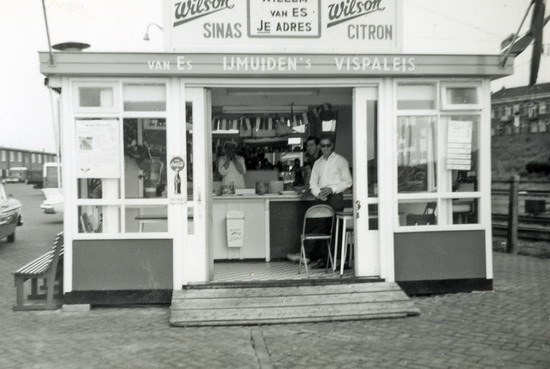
pixel 277 26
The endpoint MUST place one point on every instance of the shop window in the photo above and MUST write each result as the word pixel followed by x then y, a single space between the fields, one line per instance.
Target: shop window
pixel 144 158
pixel 146 219
pixel 459 96
pixel 95 97
pixel 144 97
pixel 416 154
pixel 462 152
pixel 417 212
pixel 416 97
pixel 98 219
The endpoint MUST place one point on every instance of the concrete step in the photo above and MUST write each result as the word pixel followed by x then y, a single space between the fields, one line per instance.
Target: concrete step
pixel 276 305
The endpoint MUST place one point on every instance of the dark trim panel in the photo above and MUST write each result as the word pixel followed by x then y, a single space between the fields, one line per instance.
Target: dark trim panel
pixel 122 297
pixel 433 287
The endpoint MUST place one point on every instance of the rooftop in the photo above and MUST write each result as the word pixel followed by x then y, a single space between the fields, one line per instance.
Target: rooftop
pixel 508 93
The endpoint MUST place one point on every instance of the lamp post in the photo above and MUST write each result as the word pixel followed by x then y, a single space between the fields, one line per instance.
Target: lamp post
pixel 146 36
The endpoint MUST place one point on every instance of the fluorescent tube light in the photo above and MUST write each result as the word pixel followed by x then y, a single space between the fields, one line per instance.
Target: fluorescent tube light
pixel 256 92
pixel 284 109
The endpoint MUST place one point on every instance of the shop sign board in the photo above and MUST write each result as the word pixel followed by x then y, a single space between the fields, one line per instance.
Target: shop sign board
pixel 459 145
pixel 283 26
pixel 98 148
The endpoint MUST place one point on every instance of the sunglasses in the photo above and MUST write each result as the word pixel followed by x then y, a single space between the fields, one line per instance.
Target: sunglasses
pixel 329 145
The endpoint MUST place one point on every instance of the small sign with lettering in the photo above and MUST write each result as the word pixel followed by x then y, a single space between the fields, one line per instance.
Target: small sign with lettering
pixel 459 145
pixel 297 18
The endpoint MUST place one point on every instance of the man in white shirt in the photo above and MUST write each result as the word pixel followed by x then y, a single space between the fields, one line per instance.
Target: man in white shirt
pixel 330 177
pixel 231 166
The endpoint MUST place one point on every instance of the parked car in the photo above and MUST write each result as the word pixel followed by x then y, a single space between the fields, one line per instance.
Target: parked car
pixel 10 215
pixel 54 202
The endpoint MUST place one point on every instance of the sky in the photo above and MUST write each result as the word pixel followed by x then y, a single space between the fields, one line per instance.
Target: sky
pixel 430 27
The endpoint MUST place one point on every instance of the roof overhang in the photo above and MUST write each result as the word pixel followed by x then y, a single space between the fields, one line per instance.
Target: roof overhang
pixel 104 64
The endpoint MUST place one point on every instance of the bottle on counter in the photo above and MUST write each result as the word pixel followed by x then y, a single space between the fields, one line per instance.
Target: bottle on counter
pixel 298 176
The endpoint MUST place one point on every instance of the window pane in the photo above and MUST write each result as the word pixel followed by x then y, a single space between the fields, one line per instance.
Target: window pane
pixel 462 95
pixel 145 158
pixel 462 151
pixel 412 213
pixel 98 219
pixel 145 97
pixel 416 96
pixel 146 219
pixel 373 217
pixel 464 211
pixel 95 97
pixel 92 188
pixel 372 147
pixel 189 143
pixel 416 154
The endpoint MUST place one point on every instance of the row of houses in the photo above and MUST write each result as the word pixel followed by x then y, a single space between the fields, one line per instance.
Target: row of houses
pixel 18 158
pixel 521 110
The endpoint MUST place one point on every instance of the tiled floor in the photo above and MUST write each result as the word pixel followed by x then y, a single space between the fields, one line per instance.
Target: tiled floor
pixel 268 271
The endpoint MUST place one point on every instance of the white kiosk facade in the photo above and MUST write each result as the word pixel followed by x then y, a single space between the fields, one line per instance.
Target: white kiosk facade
pixel 138 131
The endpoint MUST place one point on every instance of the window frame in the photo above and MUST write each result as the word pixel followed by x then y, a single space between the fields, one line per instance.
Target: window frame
pixel 446 105
pixel 76 108
pixel 443 192
pixel 117 113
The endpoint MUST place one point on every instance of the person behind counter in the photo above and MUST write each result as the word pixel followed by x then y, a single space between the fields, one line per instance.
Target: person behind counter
pixel 313 152
pixel 231 166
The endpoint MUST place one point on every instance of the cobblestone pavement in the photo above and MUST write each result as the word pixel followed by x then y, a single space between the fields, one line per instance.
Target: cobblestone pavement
pixel 505 328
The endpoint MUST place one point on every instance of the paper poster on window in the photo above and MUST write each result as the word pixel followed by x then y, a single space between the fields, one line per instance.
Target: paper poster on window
pixel 459 145
pixel 98 149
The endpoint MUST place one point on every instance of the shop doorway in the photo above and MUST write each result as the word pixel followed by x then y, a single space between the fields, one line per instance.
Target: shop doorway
pixel 268 128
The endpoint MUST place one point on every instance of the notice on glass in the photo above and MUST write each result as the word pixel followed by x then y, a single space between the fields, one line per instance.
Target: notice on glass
pixel 459 145
pixel 98 149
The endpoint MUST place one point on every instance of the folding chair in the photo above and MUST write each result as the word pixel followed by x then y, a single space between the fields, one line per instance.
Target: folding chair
pixel 316 212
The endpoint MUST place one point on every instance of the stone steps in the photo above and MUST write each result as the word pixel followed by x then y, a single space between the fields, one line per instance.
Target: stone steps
pixel 292 304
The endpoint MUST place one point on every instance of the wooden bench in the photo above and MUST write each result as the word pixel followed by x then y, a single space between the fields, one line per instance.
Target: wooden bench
pixel 46 267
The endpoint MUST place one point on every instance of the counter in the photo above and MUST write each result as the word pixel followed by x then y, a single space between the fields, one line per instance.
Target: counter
pixel 273 224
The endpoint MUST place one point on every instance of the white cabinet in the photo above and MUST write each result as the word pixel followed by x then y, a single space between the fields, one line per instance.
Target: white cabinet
pixel 255 239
